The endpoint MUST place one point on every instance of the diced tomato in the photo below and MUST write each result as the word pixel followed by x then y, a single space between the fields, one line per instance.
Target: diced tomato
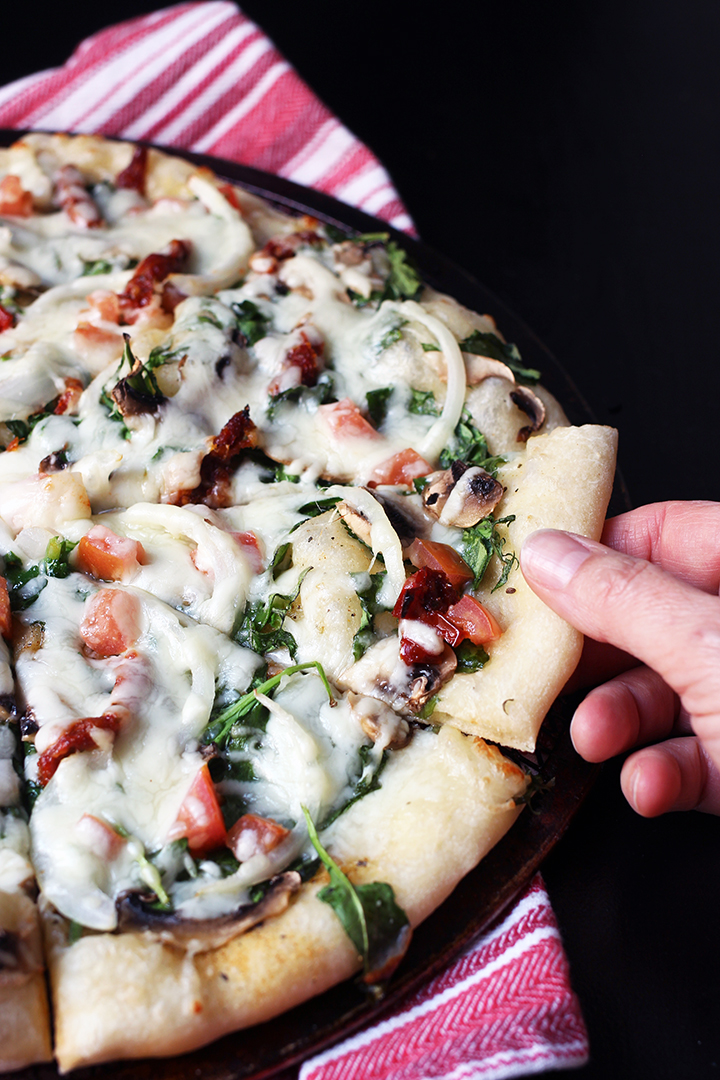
pixel 99 837
pixel 75 199
pixel 230 194
pixel 112 622
pixel 106 303
pixel 401 468
pixel 7 319
pixel 108 556
pixel 199 817
pixel 429 597
pixel 346 421
pixel 252 551
pixel 473 620
pixel 96 346
pixel 443 557
pixel 5 613
pixel 79 736
pixel 254 835
pixel 14 200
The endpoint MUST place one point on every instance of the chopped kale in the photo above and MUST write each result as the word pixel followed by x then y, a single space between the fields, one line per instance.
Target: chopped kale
pixel 491 345
pixel 251 323
pixel 470 657
pixel 322 393
pixel 470 445
pixel 370 607
pixel 481 542
pixel 378 928
pixel 377 404
pixel 403 282
pixel 423 403
pixel 281 560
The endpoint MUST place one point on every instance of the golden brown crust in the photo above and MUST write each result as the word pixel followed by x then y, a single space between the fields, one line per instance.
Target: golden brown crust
pixel 24 1014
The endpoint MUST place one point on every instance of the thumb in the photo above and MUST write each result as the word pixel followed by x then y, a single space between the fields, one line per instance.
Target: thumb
pixel 633 604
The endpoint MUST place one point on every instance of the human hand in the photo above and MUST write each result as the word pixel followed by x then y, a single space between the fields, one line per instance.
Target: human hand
pixel 649 595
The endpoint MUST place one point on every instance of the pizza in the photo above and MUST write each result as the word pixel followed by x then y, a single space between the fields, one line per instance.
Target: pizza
pixel 264 633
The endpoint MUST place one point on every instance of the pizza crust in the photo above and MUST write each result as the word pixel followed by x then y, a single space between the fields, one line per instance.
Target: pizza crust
pixel 24 1014
pixel 126 995
pixel 507 700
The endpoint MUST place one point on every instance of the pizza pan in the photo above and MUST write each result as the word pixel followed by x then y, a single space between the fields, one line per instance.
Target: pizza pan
pixel 484 894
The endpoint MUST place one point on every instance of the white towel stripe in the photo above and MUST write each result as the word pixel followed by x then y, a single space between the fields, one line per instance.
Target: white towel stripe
pixel 321 155
pixel 184 85
pixel 113 85
pixel 235 115
pixel 393 1023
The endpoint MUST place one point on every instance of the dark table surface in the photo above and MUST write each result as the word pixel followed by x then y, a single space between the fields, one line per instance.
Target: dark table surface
pixel 567 154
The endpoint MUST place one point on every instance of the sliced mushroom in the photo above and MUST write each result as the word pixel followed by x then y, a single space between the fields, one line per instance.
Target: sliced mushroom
pixel 203 935
pixel 484 367
pixel 379 722
pixel 407 520
pixel 424 680
pixel 461 495
pixel 532 406
pixel 356 522
pixel 130 400
pixel 380 673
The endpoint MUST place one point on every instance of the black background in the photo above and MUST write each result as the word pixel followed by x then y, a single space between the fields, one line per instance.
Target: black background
pixel 568 156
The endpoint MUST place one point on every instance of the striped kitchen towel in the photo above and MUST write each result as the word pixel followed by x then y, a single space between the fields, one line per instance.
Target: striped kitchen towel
pixel 203 77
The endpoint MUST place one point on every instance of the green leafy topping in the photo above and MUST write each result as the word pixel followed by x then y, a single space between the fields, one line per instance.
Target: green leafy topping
pixel 261 629
pixel 210 318
pixel 377 404
pixel 491 345
pixel 251 323
pixel 423 403
pixel 57 555
pixel 369 780
pixel 428 708
pixel 537 786
pixel 334 234
pixel 26 583
pixel 321 393
pixel 481 542
pixel 372 238
pixel 316 507
pixel 141 377
pixel 75 932
pixel 98 266
pixel 370 606
pixel 244 706
pixel 114 413
pixel 281 560
pixel 428 346
pixel 470 445
pixel 391 336
pixel 470 657
pixel 22 429
pixel 403 282
pixel 377 926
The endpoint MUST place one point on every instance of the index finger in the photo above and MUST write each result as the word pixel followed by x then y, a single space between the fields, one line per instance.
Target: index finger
pixel 680 537
pixel 636 606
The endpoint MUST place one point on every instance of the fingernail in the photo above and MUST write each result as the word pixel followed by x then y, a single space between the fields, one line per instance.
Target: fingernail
pixel 551 558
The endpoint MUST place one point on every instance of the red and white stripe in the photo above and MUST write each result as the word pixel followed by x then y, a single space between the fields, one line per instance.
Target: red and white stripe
pixel 202 76
pixel 504 1008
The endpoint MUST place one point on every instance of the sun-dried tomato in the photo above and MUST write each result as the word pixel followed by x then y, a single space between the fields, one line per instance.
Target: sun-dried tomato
pixel 284 247
pixel 78 737
pixel 133 177
pixel 424 593
pixel 152 271
pixel 7 319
